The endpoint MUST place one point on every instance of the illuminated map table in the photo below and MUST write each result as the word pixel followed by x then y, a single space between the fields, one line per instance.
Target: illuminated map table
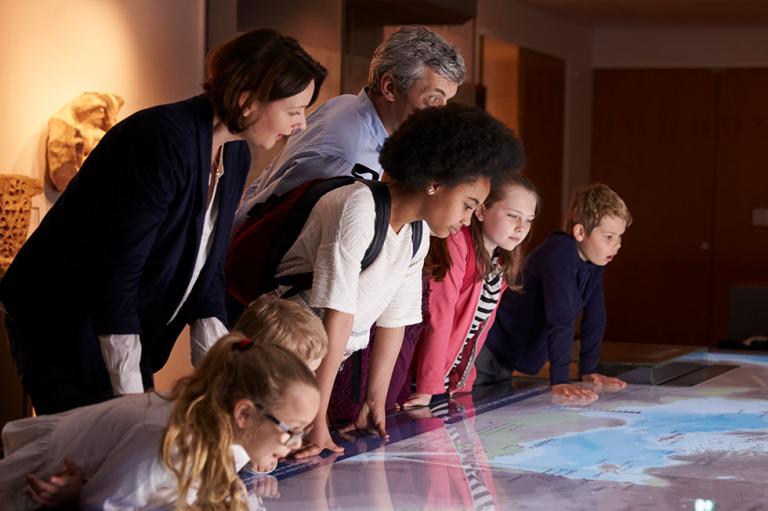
pixel 698 448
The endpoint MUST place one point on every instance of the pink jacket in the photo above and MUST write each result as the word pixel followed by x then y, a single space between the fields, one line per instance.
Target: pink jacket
pixel 447 485
pixel 452 307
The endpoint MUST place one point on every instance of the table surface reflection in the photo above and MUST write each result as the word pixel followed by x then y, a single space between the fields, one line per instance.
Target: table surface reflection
pixel 698 448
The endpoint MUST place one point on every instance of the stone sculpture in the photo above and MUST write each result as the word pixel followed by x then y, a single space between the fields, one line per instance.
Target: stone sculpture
pixel 75 130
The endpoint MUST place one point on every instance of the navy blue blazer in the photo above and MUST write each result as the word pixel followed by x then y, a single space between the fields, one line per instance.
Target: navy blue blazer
pixel 119 246
pixel 540 323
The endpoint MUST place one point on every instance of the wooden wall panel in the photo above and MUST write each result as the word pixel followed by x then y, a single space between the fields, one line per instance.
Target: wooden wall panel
pixel 740 249
pixel 542 110
pixel 654 143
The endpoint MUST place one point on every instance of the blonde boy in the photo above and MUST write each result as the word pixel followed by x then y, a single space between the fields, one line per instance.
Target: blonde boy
pixel 283 322
pixel 269 319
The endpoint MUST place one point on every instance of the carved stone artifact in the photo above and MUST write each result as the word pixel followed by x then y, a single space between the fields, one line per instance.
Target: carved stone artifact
pixel 16 194
pixel 75 130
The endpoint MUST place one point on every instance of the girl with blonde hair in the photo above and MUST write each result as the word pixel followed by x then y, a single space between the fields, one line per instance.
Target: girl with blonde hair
pixel 246 400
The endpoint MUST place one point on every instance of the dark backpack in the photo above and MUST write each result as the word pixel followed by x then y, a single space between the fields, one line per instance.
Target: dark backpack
pixel 272 227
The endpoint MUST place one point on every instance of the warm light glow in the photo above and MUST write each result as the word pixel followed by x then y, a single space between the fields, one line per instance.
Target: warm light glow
pixel 500 75
pixel 146 51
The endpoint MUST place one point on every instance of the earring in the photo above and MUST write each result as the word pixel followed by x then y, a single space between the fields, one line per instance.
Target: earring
pixel 246 112
pixel 430 190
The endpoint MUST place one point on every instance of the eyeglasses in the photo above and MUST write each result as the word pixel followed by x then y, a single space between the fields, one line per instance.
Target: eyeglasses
pixel 294 435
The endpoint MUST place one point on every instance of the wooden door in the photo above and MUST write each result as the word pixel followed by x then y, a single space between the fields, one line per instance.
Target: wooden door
pixel 740 248
pixel 654 143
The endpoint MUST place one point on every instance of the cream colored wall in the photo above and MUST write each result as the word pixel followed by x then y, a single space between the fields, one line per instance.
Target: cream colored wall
pixel 514 22
pixel 680 47
pixel 179 364
pixel 147 51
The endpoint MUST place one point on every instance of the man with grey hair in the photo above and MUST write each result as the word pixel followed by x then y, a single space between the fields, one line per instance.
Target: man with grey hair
pixel 413 69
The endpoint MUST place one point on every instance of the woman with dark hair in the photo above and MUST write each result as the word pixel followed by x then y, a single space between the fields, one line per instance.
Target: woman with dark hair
pixel 134 248
pixel 439 166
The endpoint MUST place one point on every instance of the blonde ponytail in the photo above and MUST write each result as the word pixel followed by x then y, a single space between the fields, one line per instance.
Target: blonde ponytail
pixel 199 436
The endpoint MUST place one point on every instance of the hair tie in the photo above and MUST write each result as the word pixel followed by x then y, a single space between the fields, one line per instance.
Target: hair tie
pixel 243 345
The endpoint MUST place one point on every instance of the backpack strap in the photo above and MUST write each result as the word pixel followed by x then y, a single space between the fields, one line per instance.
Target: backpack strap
pixel 383 202
pixel 383 205
pixel 360 171
pixel 296 283
pixel 314 191
pixel 417 231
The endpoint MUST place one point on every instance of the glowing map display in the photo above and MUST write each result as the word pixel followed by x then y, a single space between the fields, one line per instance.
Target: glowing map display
pixel 647 447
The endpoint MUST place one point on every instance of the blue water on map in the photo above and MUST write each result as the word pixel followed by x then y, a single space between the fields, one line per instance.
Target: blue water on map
pixel 649 438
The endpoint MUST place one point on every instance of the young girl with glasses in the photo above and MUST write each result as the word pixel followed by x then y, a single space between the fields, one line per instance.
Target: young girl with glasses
pixel 245 401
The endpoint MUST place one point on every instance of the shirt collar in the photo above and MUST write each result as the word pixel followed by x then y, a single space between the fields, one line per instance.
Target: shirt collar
pixel 240 456
pixel 372 120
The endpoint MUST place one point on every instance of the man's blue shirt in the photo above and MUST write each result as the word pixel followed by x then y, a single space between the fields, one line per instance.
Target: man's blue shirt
pixel 344 131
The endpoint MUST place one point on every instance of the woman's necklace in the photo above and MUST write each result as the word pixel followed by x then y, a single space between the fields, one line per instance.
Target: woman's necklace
pixel 217 170
pixel 218 164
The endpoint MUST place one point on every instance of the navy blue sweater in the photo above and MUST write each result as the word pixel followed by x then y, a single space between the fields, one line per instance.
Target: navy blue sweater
pixel 541 322
pixel 118 248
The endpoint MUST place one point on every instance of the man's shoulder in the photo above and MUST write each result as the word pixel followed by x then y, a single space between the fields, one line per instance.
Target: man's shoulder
pixel 337 123
pixel 338 104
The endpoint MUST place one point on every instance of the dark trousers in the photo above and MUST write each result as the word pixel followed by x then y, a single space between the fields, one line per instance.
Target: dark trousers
pixel 489 369
pixel 60 369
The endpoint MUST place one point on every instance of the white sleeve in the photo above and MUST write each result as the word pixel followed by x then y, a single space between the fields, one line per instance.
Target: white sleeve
pixel 122 353
pixel 405 307
pixel 203 333
pixel 347 228
pixel 131 477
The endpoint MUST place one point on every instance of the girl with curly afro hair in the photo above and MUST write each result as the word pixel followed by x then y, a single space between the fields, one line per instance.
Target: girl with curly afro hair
pixel 438 168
